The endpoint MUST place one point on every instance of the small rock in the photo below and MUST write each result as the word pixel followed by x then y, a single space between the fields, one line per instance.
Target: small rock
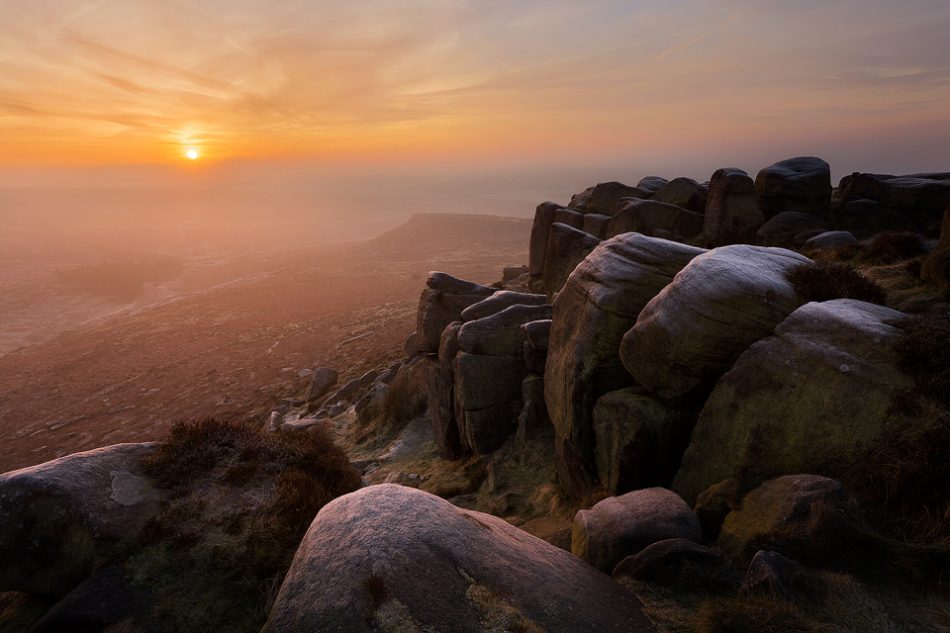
pixel 618 527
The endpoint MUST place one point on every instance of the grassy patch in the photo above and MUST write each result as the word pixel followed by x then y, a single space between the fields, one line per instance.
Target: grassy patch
pixel 824 281
pixel 240 502
pixel 889 248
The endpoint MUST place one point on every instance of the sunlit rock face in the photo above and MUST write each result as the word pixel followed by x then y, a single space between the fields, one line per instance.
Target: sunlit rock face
pixel 720 303
pixel 599 303
pixel 397 559
pixel 815 397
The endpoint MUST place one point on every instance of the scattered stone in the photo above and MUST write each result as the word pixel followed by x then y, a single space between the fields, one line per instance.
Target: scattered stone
pixel 391 558
pixel 790 229
pixel 713 505
pixel 800 184
pixel 828 240
pixel 352 388
pixel 618 527
pixel 719 304
pixel 322 381
pixel 814 397
pixel 680 565
pixel 771 574
pixel 789 507
pixel 599 303
pixel 731 216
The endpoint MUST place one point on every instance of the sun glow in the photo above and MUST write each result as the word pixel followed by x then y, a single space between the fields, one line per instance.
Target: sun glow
pixel 192 154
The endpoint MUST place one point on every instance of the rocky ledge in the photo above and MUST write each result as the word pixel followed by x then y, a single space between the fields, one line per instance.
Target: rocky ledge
pixel 716 406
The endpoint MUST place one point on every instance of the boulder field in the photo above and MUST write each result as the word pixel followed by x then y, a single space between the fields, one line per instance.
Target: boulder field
pixel 672 423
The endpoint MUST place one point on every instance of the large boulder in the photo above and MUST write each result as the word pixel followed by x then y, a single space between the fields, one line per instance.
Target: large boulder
pixel 649 216
pixel 719 304
pixel 499 301
pixel 62 519
pixel 936 268
pixel 440 385
pixel 789 229
pixel 800 184
pixel 487 399
pixel 597 225
pixel 500 334
pixel 920 197
pixel 618 527
pixel 442 302
pixel 389 558
pixel 566 248
pixel 685 193
pixel 814 397
pixel 639 441
pixel 600 301
pixel 732 216
pixel 802 507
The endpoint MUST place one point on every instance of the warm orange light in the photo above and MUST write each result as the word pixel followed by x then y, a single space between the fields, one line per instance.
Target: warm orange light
pixel 192 154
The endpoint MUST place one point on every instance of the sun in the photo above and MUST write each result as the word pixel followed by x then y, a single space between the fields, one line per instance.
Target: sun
pixel 192 154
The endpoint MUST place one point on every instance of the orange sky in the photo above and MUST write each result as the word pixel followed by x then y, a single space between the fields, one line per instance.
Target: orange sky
pixel 137 81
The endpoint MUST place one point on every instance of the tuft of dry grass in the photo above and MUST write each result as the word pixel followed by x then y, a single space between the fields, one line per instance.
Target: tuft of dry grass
pixel 240 501
pixel 889 248
pixel 824 281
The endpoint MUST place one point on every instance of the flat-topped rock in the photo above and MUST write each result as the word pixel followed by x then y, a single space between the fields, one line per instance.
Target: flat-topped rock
pixel 442 301
pixel 500 300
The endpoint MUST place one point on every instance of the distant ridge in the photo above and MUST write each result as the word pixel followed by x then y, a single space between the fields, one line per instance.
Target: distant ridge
pixel 435 231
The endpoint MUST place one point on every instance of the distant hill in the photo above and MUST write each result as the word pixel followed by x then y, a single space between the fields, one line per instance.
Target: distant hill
pixel 437 231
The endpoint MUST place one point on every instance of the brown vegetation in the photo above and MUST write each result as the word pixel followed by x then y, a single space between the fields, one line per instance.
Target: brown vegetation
pixel 241 501
pixel 824 281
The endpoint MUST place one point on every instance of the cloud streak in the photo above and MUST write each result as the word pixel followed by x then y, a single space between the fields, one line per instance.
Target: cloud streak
pixel 112 81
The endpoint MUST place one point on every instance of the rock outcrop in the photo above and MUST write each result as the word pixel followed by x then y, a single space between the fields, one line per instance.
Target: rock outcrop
pixel 600 301
pixel 684 193
pixel 396 559
pixel 650 216
pixel 566 248
pixel 800 184
pixel 814 397
pixel 719 304
pixel 920 198
pixel 441 303
pixel 62 519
